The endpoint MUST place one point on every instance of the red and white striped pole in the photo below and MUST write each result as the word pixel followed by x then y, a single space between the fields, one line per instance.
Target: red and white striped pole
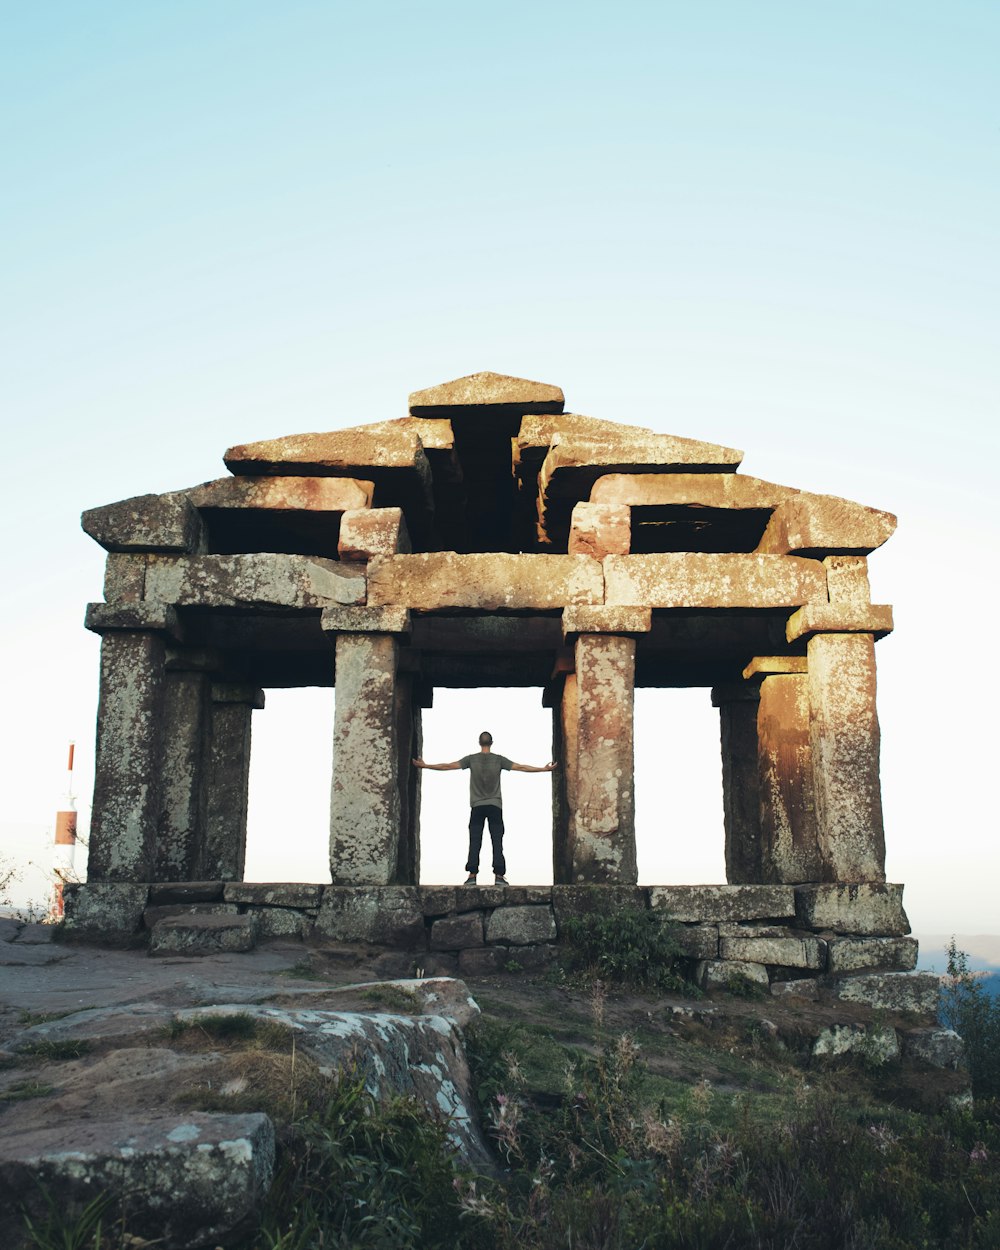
pixel 65 845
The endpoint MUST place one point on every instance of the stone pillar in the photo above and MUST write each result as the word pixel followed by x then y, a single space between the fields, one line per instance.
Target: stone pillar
pixel 181 823
pixel 365 798
pixel 410 698
pixel 564 752
pixel 789 844
pixel 127 775
pixel 844 735
pixel 602 811
pixel 737 706
pixel 226 766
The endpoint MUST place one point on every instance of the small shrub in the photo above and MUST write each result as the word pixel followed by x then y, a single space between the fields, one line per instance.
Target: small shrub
pixel 23 1090
pixel 64 1048
pixel 967 1007
pixel 625 946
pixel 395 997
pixel 741 986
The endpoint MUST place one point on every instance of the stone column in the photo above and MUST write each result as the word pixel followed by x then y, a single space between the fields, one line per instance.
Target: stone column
pixel 602 812
pixel 227 779
pixel 844 735
pixel 127 773
pixel 565 712
pixel 410 698
pixel 365 798
pixel 789 844
pixel 186 723
pixel 737 706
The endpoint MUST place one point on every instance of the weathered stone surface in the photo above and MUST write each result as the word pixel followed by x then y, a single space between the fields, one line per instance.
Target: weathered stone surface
pixel 261 579
pixel 789 842
pixel 521 926
pixel 125 616
pixel 941 1048
pixel 599 530
pixel 824 524
pixel 335 453
pixel 280 922
pixel 531 958
pixel 763 665
pixel 482 962
pixel 146 523
pixel 839 618
pixel 103 908
pixel 227 767
pixel 575 462
pixel 855 954
pixel 538 433
pixel 432 581
pixel 181 823
pixel 602 822
pixel 124 577
pixel 786 952
pixel 365 800
pixel 186 892
pixel 487 390
pixel 598 619
pixel 105 1024
pixel 437 900
pixel 845 739
pixel 703 903
pixel 892 991
pixel 388 620
pixel 457 932
pixel 537 894
pixel 470 897
pixel 373 532
pixel 699 941
pixel 273 894
pixel 221 1165
pixel 847 579
pixel 585 900
pixel 691 580
pixel 701 490
pixel 715 974
pixel 9 928
pixel 801 988
pixel 202 935
pixel 878 1043
pixel 740 784
pixel 390 916
pixel 437 996
pixel 872 908
pixel 751 929
pixel 284 494
pixel 165 911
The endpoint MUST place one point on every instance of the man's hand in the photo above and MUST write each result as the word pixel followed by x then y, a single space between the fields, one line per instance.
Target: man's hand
pixel 419 764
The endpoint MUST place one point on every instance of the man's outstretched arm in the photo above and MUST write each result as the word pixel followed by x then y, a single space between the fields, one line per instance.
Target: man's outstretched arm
pixel 532 768
pixel 440 768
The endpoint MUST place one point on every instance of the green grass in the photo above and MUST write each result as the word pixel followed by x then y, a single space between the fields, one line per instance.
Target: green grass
pixel 66 1048
pixel 21 1091
pixel 395 997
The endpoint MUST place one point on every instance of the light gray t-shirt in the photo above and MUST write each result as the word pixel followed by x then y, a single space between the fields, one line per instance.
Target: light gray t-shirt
pixel 484 777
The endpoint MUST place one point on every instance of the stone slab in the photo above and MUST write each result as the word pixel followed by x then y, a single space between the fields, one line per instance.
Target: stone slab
pixel 856 954
pixel 437 900
pixel 801 987
pixel 487 390
pixel 353 452
pixel 699 941
pixel 574 462
pixel 878 1043
pixel 941 1048
pixel 701 490
pixel 539 432
pixel 874 909
pixel 144 616
pixel 693 580
pixel 457 932
pixel 281 922
pixel 703 903
pixel 284 494
pixel 146 523
pixel 437 581
pixel 715 974
pixel 261 579
pixel 892 991
pixel 387 620
pixel 104 908
pixel 839 618
pixel 469 897
pixel 847 580
pixel 166 911
pixel 202 935
pixel 766 665
pixel 824 525
pixel 365 533
pixel 482 962
pixel 599 530
pixel 521 926
pixel 124 577
pixel 785 952
pixel 271 894
pixel 599 619
pixel 585 900
pixel 186 892
pixel 385 915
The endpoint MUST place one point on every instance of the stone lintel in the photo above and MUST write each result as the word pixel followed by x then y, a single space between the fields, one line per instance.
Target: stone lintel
pixel 870 908
pixel 438 580
pixel 284 494
pixel 238 692
pixel 839 618
pixel 738 491
pixel 703 903
pixel 598 619
pixel 486 390
pixel 538 433
pixel 574 462
pixel 763 665
pixel 193 660
pixel 166 522
pixel 826 525
pixel 702 580
pixel 256 579
pixel 383 620
pixel 104 618
pixel 367 532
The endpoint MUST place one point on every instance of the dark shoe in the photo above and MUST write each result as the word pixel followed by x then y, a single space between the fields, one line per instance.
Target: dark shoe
pixel 500 880
pixel 470 879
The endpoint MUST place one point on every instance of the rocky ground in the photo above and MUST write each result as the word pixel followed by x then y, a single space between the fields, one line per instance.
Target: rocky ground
pixel 117 1069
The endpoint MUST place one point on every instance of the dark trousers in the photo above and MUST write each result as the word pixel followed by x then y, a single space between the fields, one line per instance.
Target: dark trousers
pixel 480 815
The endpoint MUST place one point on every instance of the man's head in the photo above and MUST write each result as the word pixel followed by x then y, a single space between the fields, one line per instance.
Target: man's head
pixel 485 739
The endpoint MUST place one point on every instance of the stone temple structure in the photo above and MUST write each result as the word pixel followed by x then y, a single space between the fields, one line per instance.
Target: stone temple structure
pixel 490 538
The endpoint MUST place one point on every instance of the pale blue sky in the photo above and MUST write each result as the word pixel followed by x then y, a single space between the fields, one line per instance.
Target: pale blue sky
pixel 769 225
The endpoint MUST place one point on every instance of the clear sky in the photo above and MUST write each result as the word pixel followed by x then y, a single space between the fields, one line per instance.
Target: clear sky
pixel 768 225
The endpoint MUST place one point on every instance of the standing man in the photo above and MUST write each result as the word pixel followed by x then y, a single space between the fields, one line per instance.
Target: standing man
pixel 484 796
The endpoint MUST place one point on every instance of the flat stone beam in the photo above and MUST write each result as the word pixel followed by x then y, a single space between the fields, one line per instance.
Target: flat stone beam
pixel 365 533
pixel 789 844
pixel 486 390
pixel 824 525
pixel 702 490
pixel 105 618
pixel 723 903
pixel 574 463
pixel 127 773
pixel 436 581
pixel 602 824
pixel 365 806
pixel 227 768
pixel 266 579
pixel 334 453
pixel 698 580
pixel 762 665
pixel 844 735
pixel 388 620
pixel 604 620
pixel 146 523
pixel 740 783
pixel 599 530
pixel 874 619
pixel 284 494
pixel 538 433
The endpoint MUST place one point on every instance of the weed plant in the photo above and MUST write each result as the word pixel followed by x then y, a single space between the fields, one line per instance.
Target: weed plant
pixel 968 1008
pixel 625 946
